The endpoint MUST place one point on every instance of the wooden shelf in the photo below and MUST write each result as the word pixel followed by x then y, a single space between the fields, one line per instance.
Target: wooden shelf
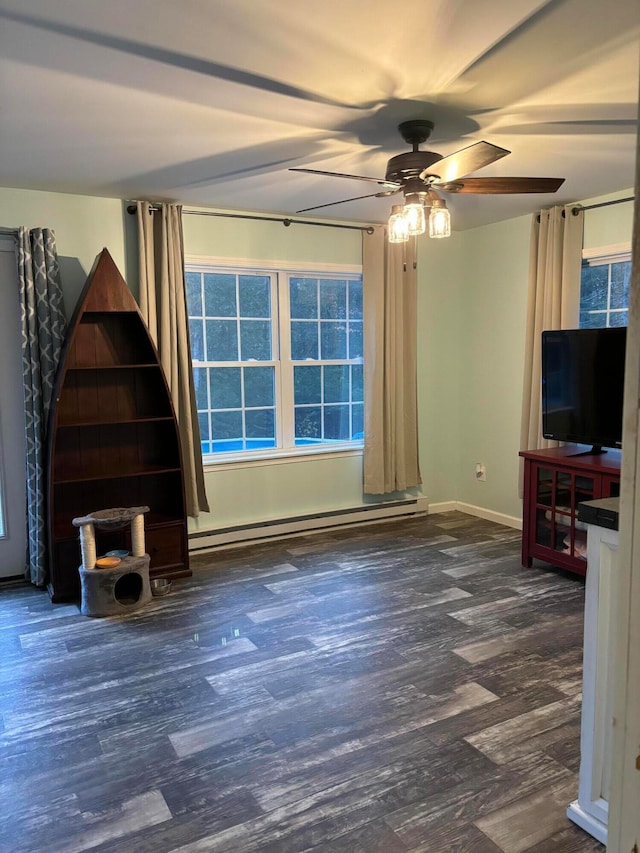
pixel 110 422
pixel 88 475
pixel 112 366
pixel 113 436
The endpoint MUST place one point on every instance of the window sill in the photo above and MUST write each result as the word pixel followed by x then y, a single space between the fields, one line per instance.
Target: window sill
pixel 280 457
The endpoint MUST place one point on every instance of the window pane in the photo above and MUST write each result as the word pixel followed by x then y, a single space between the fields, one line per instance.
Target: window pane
pixel 203 421
pixel 304 340
pixel 224 386
pixel 220 295
pixel 355 300
pixel 357 422
pixel 194 294
pixel 222 340
pixel 336 383
pixel 336 423
pixel 196 335
pixel 254 296
pixel 260 425
pixel 618 318
pixel 334 340
pixel 594 283
pixel 200 383
pixel 303 298
pixel 308 425
pixel 620 277
pixel 258 386
pixel 357 387
pixel 355 340
pixel 226 425
pixel 593 320
pixel 256 339
pixel 333 299
pixel 306 384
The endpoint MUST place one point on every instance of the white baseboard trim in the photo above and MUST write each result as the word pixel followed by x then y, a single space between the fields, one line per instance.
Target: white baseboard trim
pixel 479 511
pixel 490 515
pixel 444 506
pixel 251 534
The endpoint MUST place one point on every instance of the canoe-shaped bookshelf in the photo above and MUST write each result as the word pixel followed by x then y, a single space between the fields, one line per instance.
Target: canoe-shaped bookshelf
pixel 113 436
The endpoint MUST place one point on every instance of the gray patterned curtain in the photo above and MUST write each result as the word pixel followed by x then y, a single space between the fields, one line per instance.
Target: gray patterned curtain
pixel 43 329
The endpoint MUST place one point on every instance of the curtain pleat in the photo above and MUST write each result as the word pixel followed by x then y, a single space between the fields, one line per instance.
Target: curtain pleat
pixel 390 365
pixel 163 304
pixel 555 258
pixel 43 329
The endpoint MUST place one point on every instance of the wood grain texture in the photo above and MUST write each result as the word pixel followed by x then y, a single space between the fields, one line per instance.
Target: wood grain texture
pixel 405 687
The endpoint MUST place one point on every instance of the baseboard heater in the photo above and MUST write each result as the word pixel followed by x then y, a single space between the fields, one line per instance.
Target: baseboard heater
pixel 282 528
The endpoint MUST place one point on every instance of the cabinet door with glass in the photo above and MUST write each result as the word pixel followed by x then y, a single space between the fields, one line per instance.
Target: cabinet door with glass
pixel 556 528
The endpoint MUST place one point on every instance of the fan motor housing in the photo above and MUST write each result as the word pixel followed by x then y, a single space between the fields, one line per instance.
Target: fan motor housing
pixel 410 165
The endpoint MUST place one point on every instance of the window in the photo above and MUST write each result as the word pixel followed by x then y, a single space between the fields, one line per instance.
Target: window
pixel 277 359
pixel 604 290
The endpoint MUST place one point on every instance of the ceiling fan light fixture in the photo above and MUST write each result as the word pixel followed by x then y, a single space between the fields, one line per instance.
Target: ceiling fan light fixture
pixel 439 219
pixel 398 225
pixel 414 213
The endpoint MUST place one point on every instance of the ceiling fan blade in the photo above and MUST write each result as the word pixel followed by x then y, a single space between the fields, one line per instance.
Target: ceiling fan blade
pixel 344 200
pixel 379 181
pixel 464 161
pixel 495 186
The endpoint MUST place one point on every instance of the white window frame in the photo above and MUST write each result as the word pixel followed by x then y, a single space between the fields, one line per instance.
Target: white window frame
pixel 279 272
pixel 605 256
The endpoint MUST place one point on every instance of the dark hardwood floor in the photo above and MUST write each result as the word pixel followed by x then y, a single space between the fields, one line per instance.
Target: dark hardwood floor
pixel 400 687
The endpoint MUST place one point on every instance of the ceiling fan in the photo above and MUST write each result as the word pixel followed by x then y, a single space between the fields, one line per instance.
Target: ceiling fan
pixel 422 175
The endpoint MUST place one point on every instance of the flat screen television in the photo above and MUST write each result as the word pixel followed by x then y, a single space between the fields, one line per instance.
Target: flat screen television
pixel 582 386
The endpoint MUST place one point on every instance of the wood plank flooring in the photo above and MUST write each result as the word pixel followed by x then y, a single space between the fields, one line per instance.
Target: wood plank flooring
pixel 400 687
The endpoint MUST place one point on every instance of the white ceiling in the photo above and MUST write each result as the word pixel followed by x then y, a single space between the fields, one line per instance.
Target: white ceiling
pixel 208 102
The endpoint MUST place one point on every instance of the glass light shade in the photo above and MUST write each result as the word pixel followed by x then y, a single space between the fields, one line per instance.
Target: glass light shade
pixel 439 221
pixel 416 220
pixel 398 225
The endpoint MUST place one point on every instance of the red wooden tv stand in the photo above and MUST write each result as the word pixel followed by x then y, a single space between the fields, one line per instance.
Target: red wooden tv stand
pixel 555 482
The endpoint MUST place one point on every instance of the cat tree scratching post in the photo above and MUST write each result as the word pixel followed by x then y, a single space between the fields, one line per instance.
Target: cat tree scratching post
pixel 124 588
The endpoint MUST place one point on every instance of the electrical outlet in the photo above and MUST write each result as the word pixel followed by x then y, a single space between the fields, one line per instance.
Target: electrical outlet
pixel 481 471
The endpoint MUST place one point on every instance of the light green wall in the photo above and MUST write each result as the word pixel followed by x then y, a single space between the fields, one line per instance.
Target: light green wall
pixel 607 226
pixel 440 276
pixel 291 488
pixel 259 240
pixel 83 226
pixel 494 294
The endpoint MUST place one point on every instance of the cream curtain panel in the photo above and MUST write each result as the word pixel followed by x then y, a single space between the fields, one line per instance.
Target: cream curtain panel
pixel 555 258
pixel 390 364
pixel 163 305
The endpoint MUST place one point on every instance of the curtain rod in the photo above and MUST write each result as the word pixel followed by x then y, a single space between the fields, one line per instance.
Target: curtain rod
pixel 576 210
pixel 606 203
pixel 286 221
